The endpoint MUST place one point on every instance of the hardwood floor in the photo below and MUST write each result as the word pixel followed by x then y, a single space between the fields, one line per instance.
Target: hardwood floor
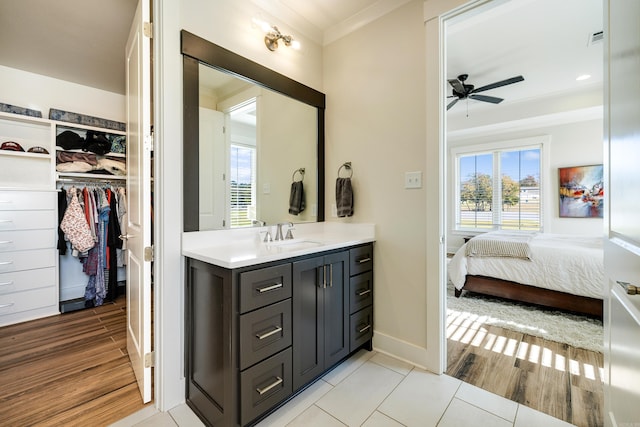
pixel 69 369
pixel 554 378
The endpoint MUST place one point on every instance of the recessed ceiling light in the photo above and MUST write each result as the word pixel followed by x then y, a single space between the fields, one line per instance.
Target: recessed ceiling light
pixel 583 77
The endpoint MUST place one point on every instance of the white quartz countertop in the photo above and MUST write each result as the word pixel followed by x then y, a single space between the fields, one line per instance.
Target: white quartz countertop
pixel 244 247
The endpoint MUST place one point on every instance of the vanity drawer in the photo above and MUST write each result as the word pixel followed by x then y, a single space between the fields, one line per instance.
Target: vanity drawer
pixel 28 220
pixel 360 259
pixel 264 286
pixel 27 239
pixel 361 324
pixel 264 332
pixel 27 260
pixel 265 385
pixel 361 291
pixel 27 200
pixel 28 279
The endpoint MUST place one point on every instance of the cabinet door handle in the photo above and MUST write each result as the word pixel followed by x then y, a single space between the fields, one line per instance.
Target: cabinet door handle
pixel 363 260
pixel 268 334
pixel 366 291
pixel 276 383
pixel 6 262
pixel 10 282
pixel 269 288
pixel 331 275
pixel 324 276
pixel 6 305
pixel 361 330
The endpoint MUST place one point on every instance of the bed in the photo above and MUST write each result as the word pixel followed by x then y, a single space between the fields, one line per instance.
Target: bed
pixel 553 270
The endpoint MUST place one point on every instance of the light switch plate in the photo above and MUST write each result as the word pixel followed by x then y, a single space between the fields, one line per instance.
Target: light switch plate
pixel 413 179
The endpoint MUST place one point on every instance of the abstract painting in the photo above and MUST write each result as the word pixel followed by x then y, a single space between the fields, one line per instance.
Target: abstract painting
pixel 581 192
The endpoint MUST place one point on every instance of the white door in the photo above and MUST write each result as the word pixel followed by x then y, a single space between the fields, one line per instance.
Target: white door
pixel 622 243
pixel 212 154
pixel 138 237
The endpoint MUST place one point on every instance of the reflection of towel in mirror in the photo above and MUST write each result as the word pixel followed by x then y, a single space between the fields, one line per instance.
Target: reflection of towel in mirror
pixel 344 197
pixel 296 198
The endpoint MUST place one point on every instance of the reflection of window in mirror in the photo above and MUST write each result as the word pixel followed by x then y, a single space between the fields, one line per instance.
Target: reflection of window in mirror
pixel 242 164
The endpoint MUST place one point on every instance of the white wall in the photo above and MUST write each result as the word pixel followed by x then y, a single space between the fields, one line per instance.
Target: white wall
pixel 38 92
pixel 374 79
pixel 571 144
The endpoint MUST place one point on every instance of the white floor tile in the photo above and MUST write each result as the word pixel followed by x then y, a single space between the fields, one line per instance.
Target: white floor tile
pixel 315 417
pixel 136 417
pixel 462 414
pixel 490 402
pixel 161 419
pixel 527 417
pixel 297 405
pixel 420 399
pixel 184 416
pixel 378 419
pixel 353 400
pixel 392 363
pixel 347 367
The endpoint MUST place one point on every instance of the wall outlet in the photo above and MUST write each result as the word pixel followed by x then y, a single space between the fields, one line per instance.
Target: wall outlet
pixel 413 179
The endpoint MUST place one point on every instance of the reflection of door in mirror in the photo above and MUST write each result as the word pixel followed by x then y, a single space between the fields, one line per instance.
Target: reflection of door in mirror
pixel 252 141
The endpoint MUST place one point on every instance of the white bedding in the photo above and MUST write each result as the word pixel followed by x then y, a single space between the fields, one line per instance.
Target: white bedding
pixel 570 264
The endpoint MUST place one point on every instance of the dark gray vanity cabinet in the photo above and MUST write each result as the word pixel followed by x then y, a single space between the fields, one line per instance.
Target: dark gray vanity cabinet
pixel 255 335
pixel 321 288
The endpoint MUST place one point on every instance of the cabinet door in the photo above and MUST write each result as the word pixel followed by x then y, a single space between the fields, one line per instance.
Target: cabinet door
pixel 336 308
pixel 308 321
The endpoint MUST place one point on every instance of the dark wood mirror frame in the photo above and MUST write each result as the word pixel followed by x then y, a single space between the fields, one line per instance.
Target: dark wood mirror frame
pixel 196 50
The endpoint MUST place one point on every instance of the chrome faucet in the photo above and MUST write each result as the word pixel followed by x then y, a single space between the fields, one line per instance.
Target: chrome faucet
pixel 258 223
pixel 279 231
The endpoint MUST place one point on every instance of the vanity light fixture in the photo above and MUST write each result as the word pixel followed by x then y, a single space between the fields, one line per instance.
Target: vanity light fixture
pixel 273 34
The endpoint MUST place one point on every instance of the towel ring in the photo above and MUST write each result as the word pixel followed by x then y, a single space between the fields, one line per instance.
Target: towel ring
pixel 301 171
pixel 347 166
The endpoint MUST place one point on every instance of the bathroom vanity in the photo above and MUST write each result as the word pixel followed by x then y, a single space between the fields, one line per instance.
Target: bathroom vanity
pixel 265 320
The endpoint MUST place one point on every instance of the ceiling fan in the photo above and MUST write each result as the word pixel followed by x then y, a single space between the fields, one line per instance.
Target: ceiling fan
pixel 465 91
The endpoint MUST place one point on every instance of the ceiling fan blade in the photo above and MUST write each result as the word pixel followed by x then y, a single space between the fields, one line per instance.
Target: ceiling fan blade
pixel 456 85
pixel 491 99
pixel 452 103
pixel 499 84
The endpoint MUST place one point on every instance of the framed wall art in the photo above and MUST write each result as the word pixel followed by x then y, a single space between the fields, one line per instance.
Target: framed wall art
pixel 581 191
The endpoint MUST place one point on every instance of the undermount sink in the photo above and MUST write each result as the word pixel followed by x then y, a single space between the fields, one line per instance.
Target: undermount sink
pixel 293 244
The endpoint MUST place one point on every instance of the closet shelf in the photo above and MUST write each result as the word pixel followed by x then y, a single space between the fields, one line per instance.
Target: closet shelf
pixel 62 175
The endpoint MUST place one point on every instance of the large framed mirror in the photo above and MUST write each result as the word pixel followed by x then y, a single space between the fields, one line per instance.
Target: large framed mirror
pixel 252 139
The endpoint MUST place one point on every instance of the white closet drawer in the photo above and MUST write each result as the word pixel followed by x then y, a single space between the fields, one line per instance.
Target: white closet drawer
pixel 29 300
pixel 27 200
pixel 26 280
pixel 28 239
pixel 27 260
pixel 28 220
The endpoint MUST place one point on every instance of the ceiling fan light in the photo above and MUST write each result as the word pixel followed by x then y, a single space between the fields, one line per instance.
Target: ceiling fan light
pixel 583 77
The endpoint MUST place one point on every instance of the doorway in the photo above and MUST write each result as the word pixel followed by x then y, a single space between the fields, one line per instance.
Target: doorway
pixel 495 345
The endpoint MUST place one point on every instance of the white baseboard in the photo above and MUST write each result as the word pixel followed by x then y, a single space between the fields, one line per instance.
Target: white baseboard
pixel 399 349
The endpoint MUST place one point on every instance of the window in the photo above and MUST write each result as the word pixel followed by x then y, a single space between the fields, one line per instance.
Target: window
pixel 242 185
pixel 498 188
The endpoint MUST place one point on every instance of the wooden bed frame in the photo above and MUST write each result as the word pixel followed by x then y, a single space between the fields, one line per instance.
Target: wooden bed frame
pixel 531 294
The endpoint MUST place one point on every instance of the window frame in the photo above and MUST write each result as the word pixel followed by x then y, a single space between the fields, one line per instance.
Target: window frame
pixel 495 149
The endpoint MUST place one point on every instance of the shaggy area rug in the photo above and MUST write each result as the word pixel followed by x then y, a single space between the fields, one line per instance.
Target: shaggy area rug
pixel 575 330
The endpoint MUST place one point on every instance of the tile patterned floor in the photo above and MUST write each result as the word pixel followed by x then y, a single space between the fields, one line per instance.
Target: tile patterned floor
pixel 371 389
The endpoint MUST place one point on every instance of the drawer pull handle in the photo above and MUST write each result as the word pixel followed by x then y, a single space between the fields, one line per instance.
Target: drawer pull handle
pixel 6 220
pixel 6 242
pixel 6 262
pixel 361 330
pixel 10 282
pixel 366 291
pixel 269 288
pixel 6 201
pixel 268 334
pixel 363 260
pixel 276 383
pixel 6 305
